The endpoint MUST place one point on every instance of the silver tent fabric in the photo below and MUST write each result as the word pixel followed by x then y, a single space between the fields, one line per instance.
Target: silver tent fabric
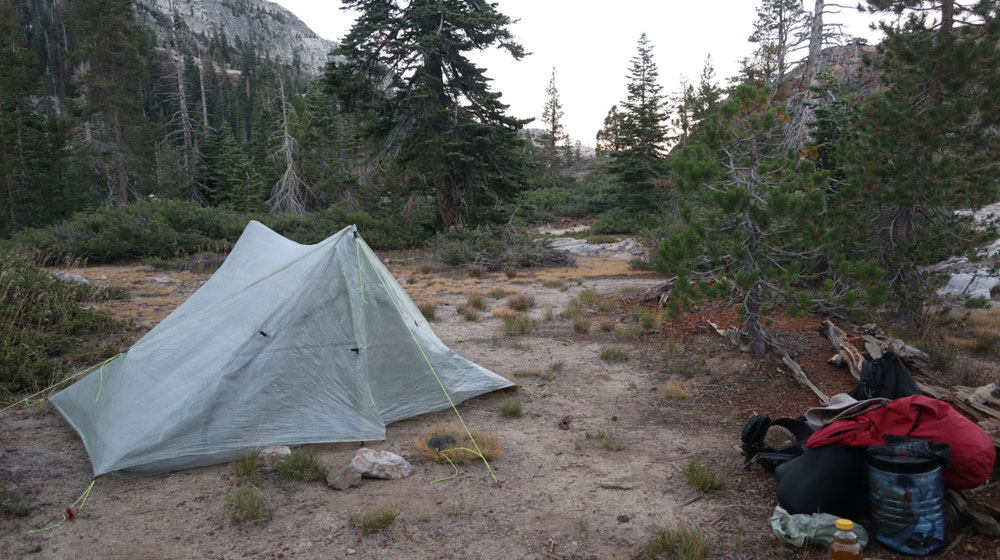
pixel 285 344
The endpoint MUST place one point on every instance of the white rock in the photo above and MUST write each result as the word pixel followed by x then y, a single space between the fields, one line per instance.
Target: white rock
pixel 380 464
pixel 271 454
pixel 69 278
pixel 970 285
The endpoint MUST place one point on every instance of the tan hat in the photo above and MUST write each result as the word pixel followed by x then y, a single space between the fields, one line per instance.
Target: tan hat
pixel 839 407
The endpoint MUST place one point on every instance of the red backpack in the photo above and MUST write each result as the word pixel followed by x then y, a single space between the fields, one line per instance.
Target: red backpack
pixel 972 450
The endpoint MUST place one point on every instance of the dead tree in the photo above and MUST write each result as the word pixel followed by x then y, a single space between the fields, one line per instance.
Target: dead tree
pixel 183 116
pixel 290 193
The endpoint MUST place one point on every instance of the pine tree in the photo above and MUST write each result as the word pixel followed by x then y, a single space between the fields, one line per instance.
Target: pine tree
pixel 643 131
pixel 611 137
pixel 926 145
pixel 110 88
pixel 231 176
pixel 780 26
pixel 554 137
pixel 428 108
pixel 754 234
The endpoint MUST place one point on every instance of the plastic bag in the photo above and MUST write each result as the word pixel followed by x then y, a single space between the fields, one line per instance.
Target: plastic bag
pixel 815 529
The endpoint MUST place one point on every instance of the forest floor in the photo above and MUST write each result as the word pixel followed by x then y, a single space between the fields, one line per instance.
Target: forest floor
pixel 590 470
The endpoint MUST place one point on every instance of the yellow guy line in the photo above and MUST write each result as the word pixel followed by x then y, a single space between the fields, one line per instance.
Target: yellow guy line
pixel 436 376
pixel 81 500
pixel 29 398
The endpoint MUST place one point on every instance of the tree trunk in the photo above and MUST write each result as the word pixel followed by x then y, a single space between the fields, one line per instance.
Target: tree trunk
pixel 290 192
pixel 446 195
pixel 204 103
pixel 123 188
pixel 187 125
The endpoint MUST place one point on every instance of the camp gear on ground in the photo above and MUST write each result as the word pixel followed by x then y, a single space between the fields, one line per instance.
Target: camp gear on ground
pixel 840 406
pixel 437 443
pixel 845 545
pixel 815 529
pixel 286 344
pixel 913 447
pixel 907 500
pixel 885 377
pixel 972 451
pixel 755 450
pixel 828 479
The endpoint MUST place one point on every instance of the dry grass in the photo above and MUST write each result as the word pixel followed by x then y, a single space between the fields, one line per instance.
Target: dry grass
pixel 511 408
pixel 475 301
pixel 628 332
pixel 468 313
pixel 573 309
pixel 547 374
pixel 487 441
pixel 521 302
pixel 503 312
pixel 674 389
pixel 589 268
pixel 581 325
pixel 428 308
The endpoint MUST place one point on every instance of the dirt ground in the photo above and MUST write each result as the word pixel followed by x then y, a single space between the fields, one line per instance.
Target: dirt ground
pixel 562 495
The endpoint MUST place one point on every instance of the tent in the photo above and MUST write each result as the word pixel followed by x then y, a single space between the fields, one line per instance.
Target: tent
pixel 285 344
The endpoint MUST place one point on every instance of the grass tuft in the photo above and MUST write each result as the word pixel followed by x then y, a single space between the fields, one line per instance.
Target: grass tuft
pixel 301 465
pixel 628 332
pixel 250 506
pixel 674 389
pixel 581 325
pixel 700 475
pixel 607 305
pixel 428 308
pixel 609 354
pixel 502 312
pixel 573 309
pixel 589 296
pixel 679 543
pixel 511 408
pixel 522 302
pixel 498 293
pixel 558 284
pixel 373 521
pixel 488 443
pixel 475 301
pixel 518 324
pixel 607 440
pixel 247 468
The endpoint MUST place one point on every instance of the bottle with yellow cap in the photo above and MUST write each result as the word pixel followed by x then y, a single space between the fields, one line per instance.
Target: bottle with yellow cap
pixel 845 544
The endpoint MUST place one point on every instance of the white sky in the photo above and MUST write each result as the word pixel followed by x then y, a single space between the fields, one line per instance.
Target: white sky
pixel 591 43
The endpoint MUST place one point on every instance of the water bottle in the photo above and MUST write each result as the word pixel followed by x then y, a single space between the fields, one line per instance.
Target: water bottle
pixel 907 501
pixel 845 544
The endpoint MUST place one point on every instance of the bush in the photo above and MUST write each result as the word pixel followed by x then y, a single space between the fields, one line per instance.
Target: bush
pixel 45 332
pixel 165 229
pixel 495 249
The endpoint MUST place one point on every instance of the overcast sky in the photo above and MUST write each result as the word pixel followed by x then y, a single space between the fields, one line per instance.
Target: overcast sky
pixel 591 42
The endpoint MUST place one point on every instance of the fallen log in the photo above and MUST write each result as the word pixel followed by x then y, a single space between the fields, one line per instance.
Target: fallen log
pixel 659 293
pixel 846 350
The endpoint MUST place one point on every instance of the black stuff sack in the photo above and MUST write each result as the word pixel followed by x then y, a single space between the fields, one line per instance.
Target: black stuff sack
pixel 828 479
pixel 885 378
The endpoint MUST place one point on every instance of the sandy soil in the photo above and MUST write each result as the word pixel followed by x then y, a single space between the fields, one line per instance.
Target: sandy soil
pixel 562 495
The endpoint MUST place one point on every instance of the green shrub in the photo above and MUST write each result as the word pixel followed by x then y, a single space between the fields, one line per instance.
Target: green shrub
pixel 301 465
pixel 495 249
pixel 45 331
pixel 165 229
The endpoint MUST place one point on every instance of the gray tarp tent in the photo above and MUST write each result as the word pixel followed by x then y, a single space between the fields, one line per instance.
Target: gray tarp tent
pixel 285 344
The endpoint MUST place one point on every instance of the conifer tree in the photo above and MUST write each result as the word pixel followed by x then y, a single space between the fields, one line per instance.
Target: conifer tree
pixel 611 137
pixel 110 88
pixel 554 136
pixel 780 26
pixel 755 236
pixel 643 131
pixel 231 176
pixel 428 108
pixel 926 145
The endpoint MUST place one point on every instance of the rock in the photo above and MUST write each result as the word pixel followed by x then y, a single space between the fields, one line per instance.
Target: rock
pixel 161 279
pixel 69 278
pixel 271 454
pixel 978 284
pixel 380 464
pixel 343 478
pixel 351 552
